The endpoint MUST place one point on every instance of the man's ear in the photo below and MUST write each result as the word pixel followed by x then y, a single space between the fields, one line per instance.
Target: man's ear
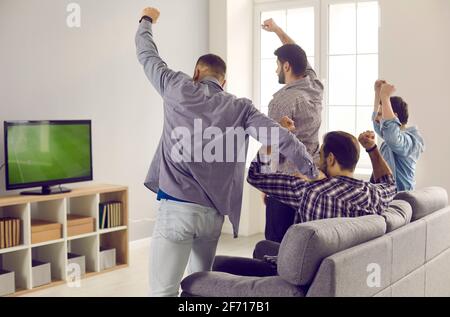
pixel 196 74
pixel 331 159
pixel 286 67
pixel 224 83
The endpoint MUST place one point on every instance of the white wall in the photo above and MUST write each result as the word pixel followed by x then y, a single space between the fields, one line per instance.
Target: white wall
pixel 48 71
pixel 415 56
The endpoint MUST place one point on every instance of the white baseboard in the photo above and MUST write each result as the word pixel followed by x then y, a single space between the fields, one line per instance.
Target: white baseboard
pixel 142 243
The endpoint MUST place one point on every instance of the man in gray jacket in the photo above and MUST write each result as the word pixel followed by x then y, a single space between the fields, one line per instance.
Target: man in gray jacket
pixel 197 185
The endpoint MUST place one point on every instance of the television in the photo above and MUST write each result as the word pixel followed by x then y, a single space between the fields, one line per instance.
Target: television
pixel 47 154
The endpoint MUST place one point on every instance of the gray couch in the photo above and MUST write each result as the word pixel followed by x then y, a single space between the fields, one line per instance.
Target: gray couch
pixel 405 252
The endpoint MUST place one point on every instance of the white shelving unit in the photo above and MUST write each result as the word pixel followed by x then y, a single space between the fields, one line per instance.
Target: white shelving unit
pixel 56 208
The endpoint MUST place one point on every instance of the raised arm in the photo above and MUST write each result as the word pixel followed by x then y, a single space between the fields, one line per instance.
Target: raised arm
pixel 270 26
pixel 287 189
pixel 391 127
pixel 287 143
pixel 381 169
pixel 155 68
pixel 376 117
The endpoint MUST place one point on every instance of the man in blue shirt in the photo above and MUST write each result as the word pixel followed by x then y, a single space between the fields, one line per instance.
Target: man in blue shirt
pixel 402 145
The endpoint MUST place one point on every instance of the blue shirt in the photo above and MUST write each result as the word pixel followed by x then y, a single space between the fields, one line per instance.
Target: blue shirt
pixel 401 150
pixel 217 185
pixel 164 196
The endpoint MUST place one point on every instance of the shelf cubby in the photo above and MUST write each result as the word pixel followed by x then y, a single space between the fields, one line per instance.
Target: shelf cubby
pixel 20 211
pixel 19 263
pixel 53 211
pixel 55 254
pixel 116 240
pixel 116 196
pixel 87 247
pixel 85 206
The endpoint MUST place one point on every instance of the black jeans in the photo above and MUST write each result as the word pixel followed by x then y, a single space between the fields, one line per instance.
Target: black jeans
pixel 279 217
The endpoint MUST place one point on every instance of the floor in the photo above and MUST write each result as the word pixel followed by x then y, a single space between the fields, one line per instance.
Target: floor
pixel 133 281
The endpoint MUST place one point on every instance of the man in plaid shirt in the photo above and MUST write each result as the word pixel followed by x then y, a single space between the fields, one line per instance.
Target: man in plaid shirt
pixel 336 193
pixel 300 100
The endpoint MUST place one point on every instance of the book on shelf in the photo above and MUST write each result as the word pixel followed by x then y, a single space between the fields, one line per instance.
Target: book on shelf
pixel 9 232
pixel 2 234
pixel 110 214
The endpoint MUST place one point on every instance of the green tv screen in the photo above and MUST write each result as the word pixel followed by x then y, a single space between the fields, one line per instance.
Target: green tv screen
pixel 45 152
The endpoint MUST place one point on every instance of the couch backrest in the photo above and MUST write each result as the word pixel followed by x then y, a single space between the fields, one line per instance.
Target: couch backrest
pixel 306 245
pixel 398 257
pixel 425 201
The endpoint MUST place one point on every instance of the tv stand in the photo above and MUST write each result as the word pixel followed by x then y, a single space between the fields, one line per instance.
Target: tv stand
pixel 47 190
pixel 80 202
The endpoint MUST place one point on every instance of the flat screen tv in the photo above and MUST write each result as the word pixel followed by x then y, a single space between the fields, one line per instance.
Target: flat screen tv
pixel 47 154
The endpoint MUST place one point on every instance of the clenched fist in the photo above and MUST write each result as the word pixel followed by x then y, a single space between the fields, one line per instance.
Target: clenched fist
pixel 152 13
pixel 387 90
pixel 367 140
pixel 270 26
pixel 288 123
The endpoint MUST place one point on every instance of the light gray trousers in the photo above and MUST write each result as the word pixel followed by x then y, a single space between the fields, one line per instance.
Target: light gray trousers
pixel 183 233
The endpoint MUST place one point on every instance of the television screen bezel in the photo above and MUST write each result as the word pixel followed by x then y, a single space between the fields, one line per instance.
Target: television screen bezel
pixel 48 183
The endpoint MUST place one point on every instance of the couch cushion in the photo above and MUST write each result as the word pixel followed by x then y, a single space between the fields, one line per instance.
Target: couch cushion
pixel 398 214
pixel 306 245
pixel 425 201
pixel 218 284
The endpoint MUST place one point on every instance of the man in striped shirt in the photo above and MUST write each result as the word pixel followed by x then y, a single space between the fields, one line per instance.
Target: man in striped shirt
pixel 336 193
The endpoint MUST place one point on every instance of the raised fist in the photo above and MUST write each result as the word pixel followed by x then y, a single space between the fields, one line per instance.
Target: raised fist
pixel 270 26
pixel 387 90
pixel 152 13
pixel 367 139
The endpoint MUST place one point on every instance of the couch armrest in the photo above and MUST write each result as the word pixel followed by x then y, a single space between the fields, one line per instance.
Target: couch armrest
pixel 266 247
pixel 219 284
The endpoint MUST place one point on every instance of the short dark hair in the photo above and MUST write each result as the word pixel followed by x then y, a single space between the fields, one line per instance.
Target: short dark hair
pixel 296 57
pixel 400 107
pixel 345 148
pixel 215 64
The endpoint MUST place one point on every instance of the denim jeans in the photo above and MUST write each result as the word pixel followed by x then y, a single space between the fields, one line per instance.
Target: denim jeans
pixel 184 235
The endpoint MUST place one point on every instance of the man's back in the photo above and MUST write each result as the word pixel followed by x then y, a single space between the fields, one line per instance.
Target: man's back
pixel 402 149
pixel 344 197
pixel 201 115
pixel 331 197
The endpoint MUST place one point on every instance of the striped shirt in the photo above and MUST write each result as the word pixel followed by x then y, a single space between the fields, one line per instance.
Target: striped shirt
pixel 329 198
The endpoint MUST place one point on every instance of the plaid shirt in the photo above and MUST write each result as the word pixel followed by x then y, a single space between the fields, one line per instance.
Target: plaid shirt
pixel 329 198
pixel 302 102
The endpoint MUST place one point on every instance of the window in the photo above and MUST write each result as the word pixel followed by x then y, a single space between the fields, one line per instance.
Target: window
pixel 300 23
pixel 352 63
pixel 340 38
